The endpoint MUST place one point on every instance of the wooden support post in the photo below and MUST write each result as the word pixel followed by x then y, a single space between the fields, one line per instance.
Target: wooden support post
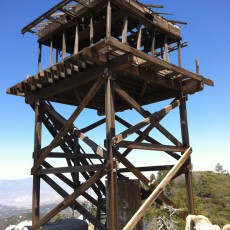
pixel 91 30
pixel 162 52
pixel 153 42
pixel 197 67
pixel 179 53
pixel 51 51
pixel 69 123
pixel 125 28
pixel 188 170
pixel 56 55
pixel 108 22
pixel 146 181
pixel 70 199
pixel 76 43
pixel 39 56
pixel 156 193
pixel 110 133
pixel 36 178
pixel 166 51
pixel 64 45
pixel 139 36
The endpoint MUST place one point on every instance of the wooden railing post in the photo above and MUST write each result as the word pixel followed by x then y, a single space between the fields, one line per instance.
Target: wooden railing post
pixel 188 169
pixel 110 133
pixel 36 178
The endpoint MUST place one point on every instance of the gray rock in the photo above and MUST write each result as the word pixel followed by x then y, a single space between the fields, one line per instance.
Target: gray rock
pixel 68 224
pixel 199 223
pixel 226 227
pixel 11 227
pixel 23 225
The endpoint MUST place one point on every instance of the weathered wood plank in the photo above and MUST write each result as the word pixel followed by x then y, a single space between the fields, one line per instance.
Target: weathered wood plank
pixel 156 61
pixel 82 168
pixel 151 119
pixel 108 20
pixel 36 178
pixel 146 181
pixel 125 28
pixel 147 146
pixel 168 135
pixel 76 42
pixel 188 171
pixel 68 125
pixel 51 51
pixel 149 201
pixel 75 204
pixel 147 168
pixel 144 135
pixel 69 199
pixel 73 156
pixel 93 126
pixel 96 148
pixel 110 133
pixel 64 45
pixel 39 56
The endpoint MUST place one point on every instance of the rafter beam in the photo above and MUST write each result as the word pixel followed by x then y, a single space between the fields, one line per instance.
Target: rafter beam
pixel 156 61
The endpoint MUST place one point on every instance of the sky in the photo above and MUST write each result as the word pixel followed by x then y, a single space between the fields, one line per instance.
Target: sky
pixel 207 34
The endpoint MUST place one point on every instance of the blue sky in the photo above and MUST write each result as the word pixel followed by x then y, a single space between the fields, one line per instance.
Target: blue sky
pixel 207 34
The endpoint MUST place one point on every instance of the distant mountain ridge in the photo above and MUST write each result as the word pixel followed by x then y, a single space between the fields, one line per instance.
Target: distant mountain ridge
pixel 18 193
pixel 7 211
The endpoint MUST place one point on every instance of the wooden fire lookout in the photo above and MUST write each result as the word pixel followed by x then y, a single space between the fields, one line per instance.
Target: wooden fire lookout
pixel 109 56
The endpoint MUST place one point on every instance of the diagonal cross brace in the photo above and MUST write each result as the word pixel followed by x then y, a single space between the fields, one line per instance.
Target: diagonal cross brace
pixel 69 199
pixel 146 181
pixel 153 118
pixel 95 147
pixel 68 125
pixel 158 190
pixel 145 114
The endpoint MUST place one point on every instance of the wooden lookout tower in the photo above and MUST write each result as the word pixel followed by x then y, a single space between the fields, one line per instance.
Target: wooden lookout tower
pixel 112 57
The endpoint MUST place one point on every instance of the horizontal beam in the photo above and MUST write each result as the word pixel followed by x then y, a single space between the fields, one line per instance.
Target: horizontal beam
pixel 82 168
pixel 73 155
pixel 151 119
pixel 147 168
pixel 45 15
pixel 95 147
pixel 156 61
pixel 158 190
pixel 146 181
pixel 147 146
pixel 76 80
pixel 69 123
pixel 69 199
pixel 147 138
pixel 153 78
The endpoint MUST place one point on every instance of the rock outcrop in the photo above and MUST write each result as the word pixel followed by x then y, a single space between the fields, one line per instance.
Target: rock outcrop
pixel 68 224
pixel 199 223
pixel 226 227
pixel 24 225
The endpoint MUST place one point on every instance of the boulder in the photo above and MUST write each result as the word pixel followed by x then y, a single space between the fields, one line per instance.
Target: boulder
pixel 199 223
pixel 68 224
pixel 24 225
pixel 226 227
pixel 11 227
